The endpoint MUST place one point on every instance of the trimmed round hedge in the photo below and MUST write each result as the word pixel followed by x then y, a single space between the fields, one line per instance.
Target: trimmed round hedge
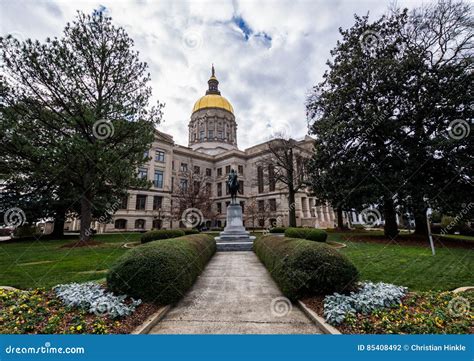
pixel 277 230
pixel 190 231
pixel 161 234
pixel 311 234
pixel 161 272
pixel 304 268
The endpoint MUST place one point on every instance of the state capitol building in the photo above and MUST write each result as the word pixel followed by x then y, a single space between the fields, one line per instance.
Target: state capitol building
pixel 212 152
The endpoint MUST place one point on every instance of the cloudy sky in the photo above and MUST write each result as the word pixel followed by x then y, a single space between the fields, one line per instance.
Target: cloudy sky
pixel 267 54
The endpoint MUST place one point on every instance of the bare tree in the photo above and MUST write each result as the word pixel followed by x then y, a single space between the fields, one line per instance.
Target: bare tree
pixel 260 209
pixel 193 191
pixel 283 166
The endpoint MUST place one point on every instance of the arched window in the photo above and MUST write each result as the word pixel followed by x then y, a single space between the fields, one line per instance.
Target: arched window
pixel 120 223
pixel 140 224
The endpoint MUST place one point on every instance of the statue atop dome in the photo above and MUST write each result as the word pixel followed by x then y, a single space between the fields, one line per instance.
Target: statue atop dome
pixel 213 83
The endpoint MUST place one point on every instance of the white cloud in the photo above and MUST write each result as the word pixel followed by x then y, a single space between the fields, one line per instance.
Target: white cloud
pixel 266 81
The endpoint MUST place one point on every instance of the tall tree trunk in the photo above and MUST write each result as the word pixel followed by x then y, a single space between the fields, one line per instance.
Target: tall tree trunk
pixel 340 219
pixel 59 219
pixel 419 213
pixel 421 227
pixel 86 216
pixel 291 208
pixel 391 226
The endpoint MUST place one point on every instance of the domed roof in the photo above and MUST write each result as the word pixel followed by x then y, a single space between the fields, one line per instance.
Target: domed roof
pixel 213 101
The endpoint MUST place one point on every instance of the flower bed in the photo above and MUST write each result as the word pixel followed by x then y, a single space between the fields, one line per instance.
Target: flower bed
pixel 418 313
pixel 42 311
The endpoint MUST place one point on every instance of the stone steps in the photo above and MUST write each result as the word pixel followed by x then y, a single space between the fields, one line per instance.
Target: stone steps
pixel 234 246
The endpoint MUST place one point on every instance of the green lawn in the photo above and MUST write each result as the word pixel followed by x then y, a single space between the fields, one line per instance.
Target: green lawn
pixel 410 266
pixel 44 263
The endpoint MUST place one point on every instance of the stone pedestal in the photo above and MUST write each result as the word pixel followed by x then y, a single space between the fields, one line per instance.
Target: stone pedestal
pixel 234 237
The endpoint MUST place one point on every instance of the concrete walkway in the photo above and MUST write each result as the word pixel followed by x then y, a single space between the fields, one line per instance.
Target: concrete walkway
pixel 235 295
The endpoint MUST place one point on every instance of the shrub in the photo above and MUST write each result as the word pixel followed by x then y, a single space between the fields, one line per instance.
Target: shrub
pixel 161 234
pixel 216 229
pixel 26 231
pixel 162 271
pixel 278 230
pixel 371 297
pixel 304 268
pixel 317 235
pixel 190 231
pixel 93 298
pixel 311 234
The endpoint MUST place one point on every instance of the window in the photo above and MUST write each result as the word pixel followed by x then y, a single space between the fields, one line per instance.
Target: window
pixel 157 202
pixel 273 205
pixel 219 208
pixel 158 181
pixel 219 189
pixel 241 169
pixel 261 205
pixel 172 165
pixel 208 172
pixel 142 173
pixel 120 224
pixel 219 134
pixel 201 134
pixel 227 188
pixel 209 189
pixel 157 224
pixel 197 169
pixel 140 224
pixel 242 204
pixel 146 154
pixel 219 172
pixel 159 155
pixel 141 201
pixel 124 202
pixel 241 187
pixel 227 169
pixel 184 167
pixel 271 177
pixel 172 184
pixel 260 179
pixel 211 134
pixel 183 184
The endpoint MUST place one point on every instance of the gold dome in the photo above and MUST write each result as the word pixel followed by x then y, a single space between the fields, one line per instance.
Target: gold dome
pixel 213 101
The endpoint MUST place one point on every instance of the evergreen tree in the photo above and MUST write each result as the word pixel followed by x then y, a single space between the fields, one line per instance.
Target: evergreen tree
pixel 75 114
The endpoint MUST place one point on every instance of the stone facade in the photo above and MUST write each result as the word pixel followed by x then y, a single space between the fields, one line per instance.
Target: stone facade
pixel 212 149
